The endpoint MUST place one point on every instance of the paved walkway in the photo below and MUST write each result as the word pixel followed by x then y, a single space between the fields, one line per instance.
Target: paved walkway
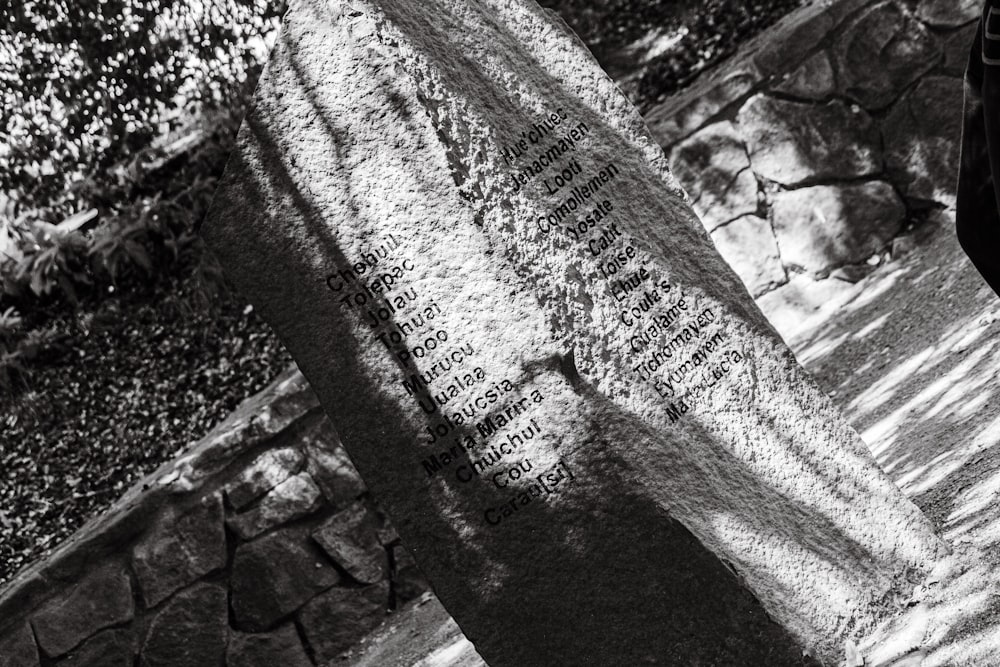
pixel 912 356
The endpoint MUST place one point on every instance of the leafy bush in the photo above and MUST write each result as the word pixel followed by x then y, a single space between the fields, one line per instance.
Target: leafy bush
pixel 92 82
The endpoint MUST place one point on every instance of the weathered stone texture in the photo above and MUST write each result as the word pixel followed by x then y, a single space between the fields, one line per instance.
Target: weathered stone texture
pixel 748 245
pixel 274 575
pixel 330 466
pixel 267 471
pixel 703 102
pixel 101 599
pixel 332 621
pixel 408 580
pixel 280 648
pixel 792 40
pixel 406 130
pixel 957 45
pixel 821 227
pixel 812 80
pixel 922 138
pixel 108 648
pixel 350 537
pixel 713 167
pixel 948 13
pixel 295 497
pixel 880 52
pixel 792 142
pixel 17 647
pixel 179 550
pixel 190 631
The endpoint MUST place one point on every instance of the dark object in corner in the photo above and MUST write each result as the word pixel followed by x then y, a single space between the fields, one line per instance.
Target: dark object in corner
pixel 977 214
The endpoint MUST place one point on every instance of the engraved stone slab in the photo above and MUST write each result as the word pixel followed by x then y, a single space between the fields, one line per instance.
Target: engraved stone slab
pixel 560 394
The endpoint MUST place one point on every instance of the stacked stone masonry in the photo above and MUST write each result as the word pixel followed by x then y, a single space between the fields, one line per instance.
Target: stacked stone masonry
pixel 826 138
pixel 258 547
pixel 810 152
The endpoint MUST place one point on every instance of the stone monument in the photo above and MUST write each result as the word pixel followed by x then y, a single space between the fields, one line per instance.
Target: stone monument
pixel 593 444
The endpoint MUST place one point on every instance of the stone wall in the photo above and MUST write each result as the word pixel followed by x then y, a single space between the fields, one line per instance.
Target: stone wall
pixel 257 547
pixel 826 138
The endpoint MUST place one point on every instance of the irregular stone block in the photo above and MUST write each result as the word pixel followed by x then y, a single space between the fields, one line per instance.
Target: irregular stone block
pixel 179 550
pixel 880 52
pixel 267 471
pixel 335 620
pixel 296 497
pixel 841 10
pixel 17 647
pixel 387 533
pixel 792 305
pixel 948 13
pixel 275 575
pixel 812 80
pixel 748 245
pixel 350 537
pixel 713 167
pixel 330 466
pixel 685 113
pixel 279 648
pixel 408 581
pixel 923 133
pixel 190 631
pixel 101 599
pixel 957 46
pixel 821 227
pixel 794 142
pixel 108 648
pixel 791 40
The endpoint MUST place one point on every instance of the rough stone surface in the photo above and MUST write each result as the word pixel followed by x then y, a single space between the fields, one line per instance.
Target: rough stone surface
pixel 17 647
pixel 330 466
pixel 791 40
pixel 748 245
pixel 190 631
pixel 882 51
pixel 792 142
pixel 274 575
pixel 384 149
pixel 297 496
pixel 266 472
pixel 334 620
pixel 696 107
pixel 821 227
pixel 948 13
pixel 812 80
pixel 108 648
pixel 922 137
pixel 408 581
pixel 714 169
pixel 394 644
pixel 102 598
pixel 179 550
pixel 350 537
pixel 957 45
pixel 280 648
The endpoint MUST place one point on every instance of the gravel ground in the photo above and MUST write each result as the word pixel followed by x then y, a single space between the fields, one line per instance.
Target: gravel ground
pixel 140 378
